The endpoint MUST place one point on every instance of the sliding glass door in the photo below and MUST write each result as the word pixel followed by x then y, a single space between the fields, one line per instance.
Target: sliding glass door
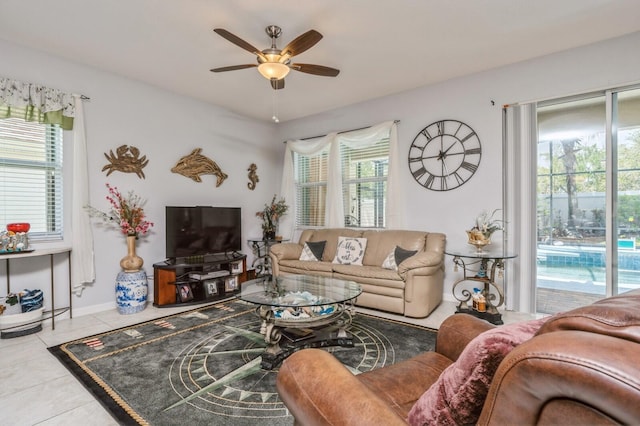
pixel 627 201
pixel 588 199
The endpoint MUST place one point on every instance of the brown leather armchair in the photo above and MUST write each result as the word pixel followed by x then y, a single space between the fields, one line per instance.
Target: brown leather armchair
pixel 582 367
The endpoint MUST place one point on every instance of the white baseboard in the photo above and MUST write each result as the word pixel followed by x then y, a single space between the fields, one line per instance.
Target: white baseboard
pixel 448 297
pixel 90 310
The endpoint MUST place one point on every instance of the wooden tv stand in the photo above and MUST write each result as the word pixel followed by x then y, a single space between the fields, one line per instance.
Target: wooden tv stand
pixel 198 279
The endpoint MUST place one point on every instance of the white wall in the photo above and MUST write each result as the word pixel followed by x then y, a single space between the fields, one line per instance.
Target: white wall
pixel 165 127
pixel 469 99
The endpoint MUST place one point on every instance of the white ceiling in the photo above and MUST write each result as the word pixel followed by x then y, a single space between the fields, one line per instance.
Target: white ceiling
pixel 380 46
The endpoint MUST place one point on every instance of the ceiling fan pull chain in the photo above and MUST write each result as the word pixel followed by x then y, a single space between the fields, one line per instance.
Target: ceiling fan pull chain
pixel 275 106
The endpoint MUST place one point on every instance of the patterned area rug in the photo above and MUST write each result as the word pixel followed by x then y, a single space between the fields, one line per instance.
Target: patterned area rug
pixel 203 366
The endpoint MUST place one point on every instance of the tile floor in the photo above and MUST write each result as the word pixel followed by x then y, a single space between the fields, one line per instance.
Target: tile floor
pixel 36 389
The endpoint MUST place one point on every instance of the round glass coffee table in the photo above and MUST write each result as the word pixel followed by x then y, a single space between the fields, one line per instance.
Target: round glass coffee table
pixel 301 311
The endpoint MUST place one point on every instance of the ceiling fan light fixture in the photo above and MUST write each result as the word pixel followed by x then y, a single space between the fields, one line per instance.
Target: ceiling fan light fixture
pixel 274 64
pixel 275 70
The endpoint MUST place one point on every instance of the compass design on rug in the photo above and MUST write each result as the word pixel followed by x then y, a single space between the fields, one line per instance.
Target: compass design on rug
pixel 222 372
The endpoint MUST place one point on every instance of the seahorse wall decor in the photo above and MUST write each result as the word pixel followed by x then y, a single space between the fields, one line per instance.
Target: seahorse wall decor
pixel 126 160
pixel 196 164
pixel 253 176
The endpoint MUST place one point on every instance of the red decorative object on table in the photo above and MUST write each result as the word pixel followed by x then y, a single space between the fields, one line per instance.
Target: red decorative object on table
pixel 19 227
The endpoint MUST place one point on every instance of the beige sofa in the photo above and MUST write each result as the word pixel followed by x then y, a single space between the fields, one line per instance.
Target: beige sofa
pixel 414 289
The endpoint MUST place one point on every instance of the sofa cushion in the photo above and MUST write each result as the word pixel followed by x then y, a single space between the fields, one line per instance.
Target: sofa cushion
pixel 358 272
pixel 396 257
pixel 312 251
pixel 400 395
pixel 350 251
pixel 457 397
pixel 381 242
pixel 306 266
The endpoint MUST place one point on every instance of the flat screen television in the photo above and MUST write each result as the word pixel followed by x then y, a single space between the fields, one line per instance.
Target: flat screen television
pixel 202 230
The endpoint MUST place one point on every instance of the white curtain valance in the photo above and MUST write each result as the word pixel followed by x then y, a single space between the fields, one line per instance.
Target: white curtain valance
pixel 36 103
pixel 364 138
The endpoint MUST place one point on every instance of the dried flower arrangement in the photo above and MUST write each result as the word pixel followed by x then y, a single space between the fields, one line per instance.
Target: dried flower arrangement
pixel 271 214
pixel 127 213
pixel 487 224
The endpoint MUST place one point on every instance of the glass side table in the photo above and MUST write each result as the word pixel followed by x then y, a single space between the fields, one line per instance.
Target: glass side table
pixel 480 267
pixel 262 262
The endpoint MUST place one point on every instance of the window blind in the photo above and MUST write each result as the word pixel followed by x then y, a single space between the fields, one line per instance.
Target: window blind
pixel 31 176
pixel 364 180
pixel 311 188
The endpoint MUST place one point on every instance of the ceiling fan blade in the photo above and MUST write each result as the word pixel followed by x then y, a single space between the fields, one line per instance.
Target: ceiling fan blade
pixel 233 68
pixel 238 41
pixel 315 69
pixel 277 84
pixel 302 43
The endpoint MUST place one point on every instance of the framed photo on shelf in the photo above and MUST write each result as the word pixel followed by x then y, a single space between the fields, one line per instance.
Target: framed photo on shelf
pixel 231 284
pixel 185 293
pixel 210 288
pixel 236 267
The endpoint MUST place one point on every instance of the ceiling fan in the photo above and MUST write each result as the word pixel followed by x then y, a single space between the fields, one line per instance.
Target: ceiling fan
pixel 273 63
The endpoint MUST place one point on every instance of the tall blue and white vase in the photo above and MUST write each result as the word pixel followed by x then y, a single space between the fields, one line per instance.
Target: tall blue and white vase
pixel 131 284
pixel 131 292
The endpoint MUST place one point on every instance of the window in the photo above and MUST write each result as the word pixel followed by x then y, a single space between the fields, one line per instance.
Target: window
pixel 311 188
pixel 582 163
pixel 364 180
pixel 572 199
pixel 364 170
pixel 31 176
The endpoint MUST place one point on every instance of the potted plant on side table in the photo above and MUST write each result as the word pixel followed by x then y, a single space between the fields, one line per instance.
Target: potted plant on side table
pixel 270 216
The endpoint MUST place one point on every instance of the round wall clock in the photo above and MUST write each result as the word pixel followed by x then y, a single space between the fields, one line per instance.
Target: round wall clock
pixel 444 155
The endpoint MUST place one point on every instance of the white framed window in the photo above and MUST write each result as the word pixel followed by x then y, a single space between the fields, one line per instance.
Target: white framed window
pixel 364 172
pixel 31 187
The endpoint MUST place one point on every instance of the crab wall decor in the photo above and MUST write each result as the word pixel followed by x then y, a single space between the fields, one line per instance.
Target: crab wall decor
pixel 253 176
pixel 126 160
pixel 196 164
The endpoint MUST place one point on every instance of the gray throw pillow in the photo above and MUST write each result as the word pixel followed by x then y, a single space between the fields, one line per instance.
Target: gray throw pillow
pixel 312 251
pixel 396 257
pixel 402 254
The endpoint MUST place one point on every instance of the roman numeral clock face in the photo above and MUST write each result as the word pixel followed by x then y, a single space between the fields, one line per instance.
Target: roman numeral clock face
pixel 444 155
